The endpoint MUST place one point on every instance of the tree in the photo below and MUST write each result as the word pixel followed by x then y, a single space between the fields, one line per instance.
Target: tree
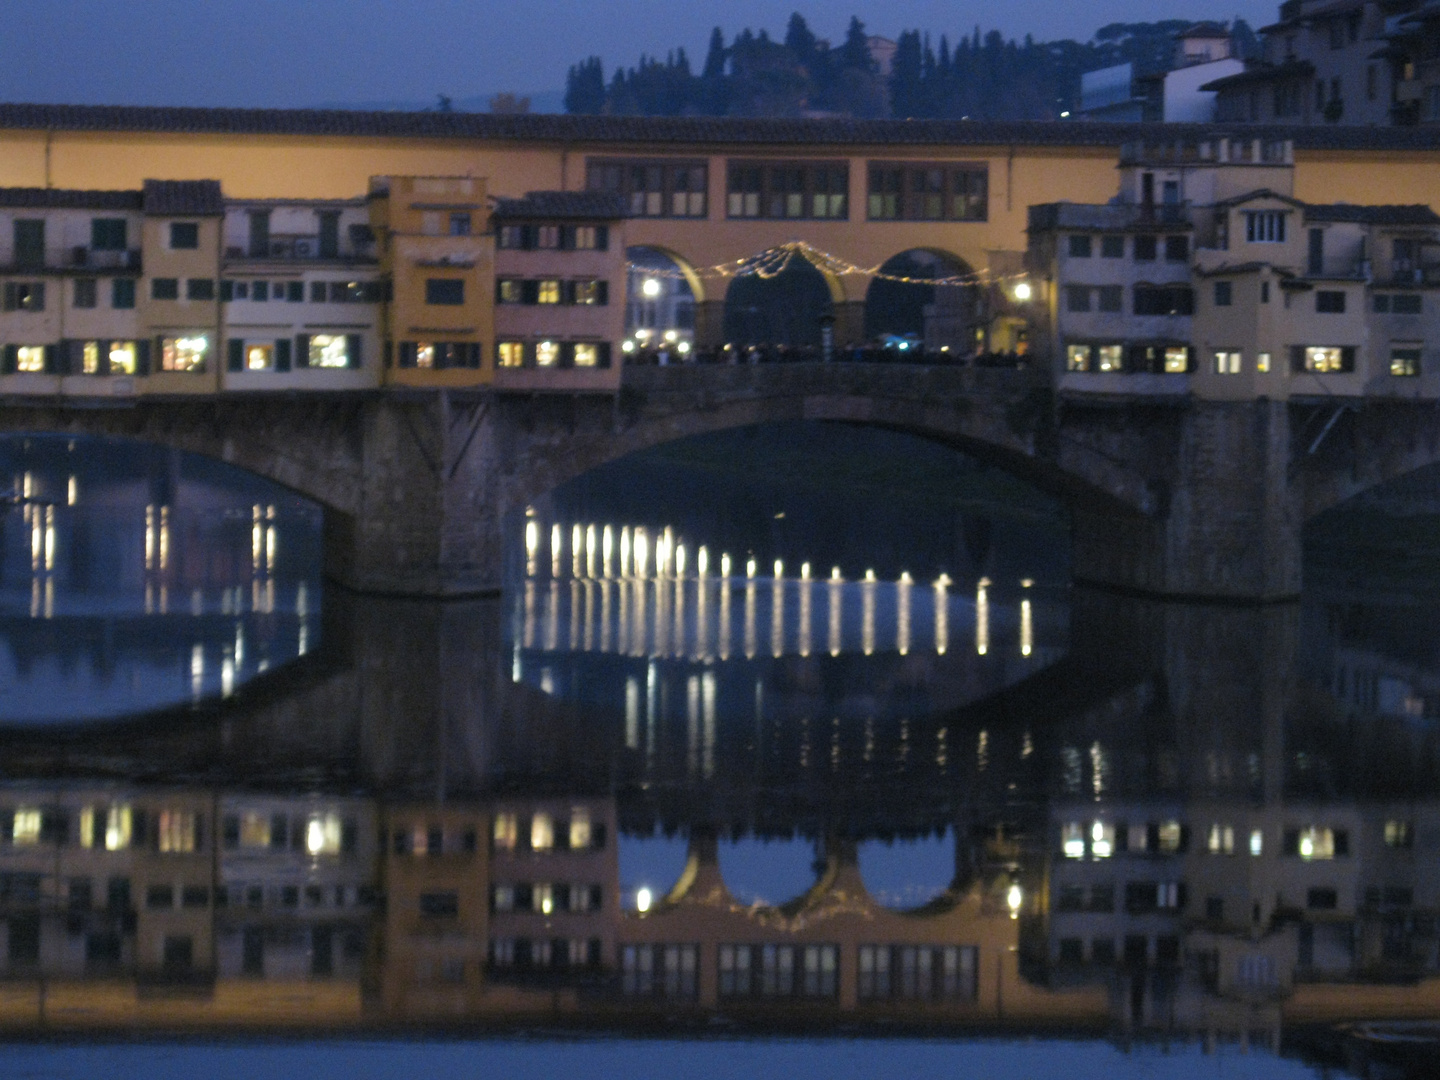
pixel 907 76
pixel 855 52
pixel 712 96
pixel 800 41
pixel 585 87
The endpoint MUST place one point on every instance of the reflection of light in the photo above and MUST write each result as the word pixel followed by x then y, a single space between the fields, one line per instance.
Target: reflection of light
pixel 632 713
pixel 982 617
pixel 197 670
pixel 779 569
pixel 577 549
pixel 777 616
pixel 750 568
pixel 49 538
pixel 679 560
pixel 1307 847
pixel 867 613
pixel 642 900
pixel 557 547
pixel 750 615
pixel 805 602
pixel 834 613
pixel 724 564
pixel 625 552
pixel 532 542
pixel 650 288
pixel 71 493
pixel 1012 900
pixel 702 561
pixel 642 552
pixel 1257 842
pixel 607 549
pixel 942 614
pixel 1027 632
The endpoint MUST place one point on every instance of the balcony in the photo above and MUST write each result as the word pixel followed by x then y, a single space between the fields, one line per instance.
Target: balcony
pixel 307 248
pixel 78 259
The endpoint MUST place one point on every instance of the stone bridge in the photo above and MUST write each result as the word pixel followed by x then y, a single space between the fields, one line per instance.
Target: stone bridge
pixel 1171 496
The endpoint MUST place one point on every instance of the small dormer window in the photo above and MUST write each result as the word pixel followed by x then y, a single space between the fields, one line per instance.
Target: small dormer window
pixel 1265 226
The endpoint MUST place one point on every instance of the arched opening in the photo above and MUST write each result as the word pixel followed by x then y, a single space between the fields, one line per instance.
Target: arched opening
pixel 785 310
pixel 663 297
pixel 912 315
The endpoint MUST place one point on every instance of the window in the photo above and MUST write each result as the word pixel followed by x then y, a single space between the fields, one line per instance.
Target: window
pixel 323 834
pixel 1112 298
pixel 592 292
pixel 509 291
pixel 25 827
pixel 1222 293
pixel 1080 247
pixel 787 190
pixel 1227 362
pixel 122 293
pixel 547 292
pixel 294 291
pixel 542 832
pixel 328 351
pixel 504 833
pixel 1220 840
pixel 1110 357
pixel 1321 899
pixel 108 234
pixel 87 292
pixel 165 288
pixel 184 353
pixel 652 188
pixel 30 358
pixel 317 292
pixel 1112 247
pixel 1145 248
pixel 1324 358
pixel 1170 837
pixel 1371 82
pixel 585 238
pixel 509 354
pixel 1077 297
pixel 547 353
pixel 1257 843
pixel 510 237
pixel 1077 358
pixel 255 830
pixel 1265 226
pixel 1405 359
pixel 927 192
pixel 1329 302
pixel 184 235
pixel 1399 834
pixel 29 237
pixel 668 971
pixel 160 896
pixel 1397 303
pixel 1317 843
pixel 259 357
pixel 200 289
pixel 1177 248
pixel 1262 363
pixel 24 296
pixel 178 831
pixel 917 972
pixel 1177 359
pixel 1164 300
pixel 445 291
pixel 440 905
pixel 459 224
pixel 260 291
pixel 1264 292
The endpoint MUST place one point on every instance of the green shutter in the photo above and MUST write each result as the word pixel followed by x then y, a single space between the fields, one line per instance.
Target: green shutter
pixel 602 238
pixel 235 360
pixel 9 359
pixel 602 354
pixel 302 350
pixel 282 353
pixel 142 357
pixel 602 292
pixel 352 351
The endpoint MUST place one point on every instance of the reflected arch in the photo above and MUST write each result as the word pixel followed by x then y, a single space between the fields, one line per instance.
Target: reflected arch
pixel 941 317
pixel 665 304
pixel 784 310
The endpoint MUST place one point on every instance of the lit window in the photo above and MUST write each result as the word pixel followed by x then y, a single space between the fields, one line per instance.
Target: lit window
pixel 511 353
pixel 1227 362
pixel 543 899
pixel 254 830
pixel 184 353
pixel 504 832
pixel 510 291
pixel 1405 360
pixel 1177 360
pixel 30 358
pixel 502 897
pixel 1221 840
pixel 547 237
pixel 177 831
pixel 1170 835
pixel 259 357
pixel 1102 840
pixel 1077 358
pixel 90 358
pixel 591 292
pixel 329 351
pixel 1072 840
pixel 1315 843
pixel 1399 834
pixel 548 292
pixel 579 828
pixel 1262 362
pixel 585 239
pixel 25 830
pixel 117 827
pixel 542 832
pixel 586 355
pixel 1257 842
pixel 322 834
pixel 1324 358
pixel 547 353
pixel 424 354
pixel 1111 357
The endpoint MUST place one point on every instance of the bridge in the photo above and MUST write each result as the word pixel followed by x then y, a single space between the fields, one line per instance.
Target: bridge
pixel 1175 496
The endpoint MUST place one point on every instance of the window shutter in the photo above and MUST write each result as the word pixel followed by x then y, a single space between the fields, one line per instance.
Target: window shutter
pixel 567 292
pixel 602 237
pixel 602 354
pixel 567 238
pixel 406 357
pixel 597 836
pixel 1347 356
pixel 52 360
pixel 389 353
pixel 499 284
pixel 282 353
pixel 142 357
pixel 235 359
pixel 302 350
pixel 602 292
pixel 227 290
pixel 1342 842
pixel 530 292
pixel 352 351
pixel 1297 357
pixel 8 360
pixel 567 354
pixel 139 825
pixel 1290 843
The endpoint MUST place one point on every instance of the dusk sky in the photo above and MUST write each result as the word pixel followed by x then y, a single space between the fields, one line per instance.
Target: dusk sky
pixel 280 53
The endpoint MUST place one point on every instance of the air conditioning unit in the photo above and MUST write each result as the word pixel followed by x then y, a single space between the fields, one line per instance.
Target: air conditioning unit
pixel 305 249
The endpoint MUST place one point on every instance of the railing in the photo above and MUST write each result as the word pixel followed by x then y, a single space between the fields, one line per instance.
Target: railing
pixel 810 354
pixel 302 248
pixel 80 257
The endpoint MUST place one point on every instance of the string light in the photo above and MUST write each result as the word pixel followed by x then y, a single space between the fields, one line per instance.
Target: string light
pixel 776 260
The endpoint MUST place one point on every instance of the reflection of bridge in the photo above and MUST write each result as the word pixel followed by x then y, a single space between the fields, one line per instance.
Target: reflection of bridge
pixel 1189 498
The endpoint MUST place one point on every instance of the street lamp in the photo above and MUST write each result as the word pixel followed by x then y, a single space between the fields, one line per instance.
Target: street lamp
pixel 651 288
pixel 642 900
pixel 1022 291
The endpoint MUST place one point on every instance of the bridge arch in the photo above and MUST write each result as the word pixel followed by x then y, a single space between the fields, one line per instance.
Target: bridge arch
pixel 940 317
pixel 783 308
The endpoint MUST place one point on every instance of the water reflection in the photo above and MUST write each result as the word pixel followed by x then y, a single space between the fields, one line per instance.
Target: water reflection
pixel 133 578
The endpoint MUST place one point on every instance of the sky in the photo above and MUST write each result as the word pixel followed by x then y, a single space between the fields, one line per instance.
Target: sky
pixel 279 53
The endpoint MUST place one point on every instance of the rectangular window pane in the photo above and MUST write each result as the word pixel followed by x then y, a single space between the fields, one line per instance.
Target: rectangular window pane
pixel 184 353
pixel 449 291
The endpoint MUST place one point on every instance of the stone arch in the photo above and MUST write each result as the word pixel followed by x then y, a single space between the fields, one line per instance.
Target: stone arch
pixel 785 309
pixel 1340 455
pixel 940 317
pixel 666 301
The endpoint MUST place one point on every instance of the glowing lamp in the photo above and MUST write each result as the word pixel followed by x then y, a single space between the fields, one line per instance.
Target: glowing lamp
pixel 1022 291
pixel 650 288
pixel 643 899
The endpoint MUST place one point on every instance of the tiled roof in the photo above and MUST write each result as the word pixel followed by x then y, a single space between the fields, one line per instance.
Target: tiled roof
pixel 1264 73
pixel 183 197
pixel 1102 217
pixel 68 199
pixel 692 130
pixel 1372 215
pixel 578 205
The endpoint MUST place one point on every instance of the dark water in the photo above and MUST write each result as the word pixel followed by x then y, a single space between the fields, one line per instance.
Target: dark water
pixel 943 795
